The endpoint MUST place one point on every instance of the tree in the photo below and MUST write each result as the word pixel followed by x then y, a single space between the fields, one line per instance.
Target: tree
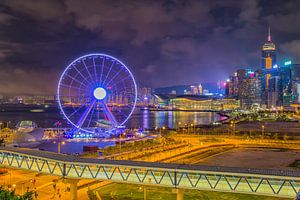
pixel 285 137
pixel 275 136
pixel 11 195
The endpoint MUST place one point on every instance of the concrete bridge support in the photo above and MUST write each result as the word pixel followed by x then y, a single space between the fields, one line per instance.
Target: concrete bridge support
pixel 73 187
pixel 180 194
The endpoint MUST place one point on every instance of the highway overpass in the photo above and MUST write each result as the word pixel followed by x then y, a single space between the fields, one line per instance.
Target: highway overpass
pixel 180 176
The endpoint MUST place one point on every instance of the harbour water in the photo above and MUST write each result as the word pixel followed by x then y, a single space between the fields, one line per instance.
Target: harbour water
pixel 144 119
pixel 140 118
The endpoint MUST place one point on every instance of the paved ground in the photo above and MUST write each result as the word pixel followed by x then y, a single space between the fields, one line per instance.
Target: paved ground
pixel 254 158
pixel 47 187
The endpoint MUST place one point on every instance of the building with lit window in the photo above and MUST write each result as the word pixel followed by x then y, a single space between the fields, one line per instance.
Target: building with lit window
pixel 196 102
pixel 269 69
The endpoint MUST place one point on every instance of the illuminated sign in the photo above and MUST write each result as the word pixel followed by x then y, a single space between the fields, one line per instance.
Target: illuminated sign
pixel 268 63
pixel 287 62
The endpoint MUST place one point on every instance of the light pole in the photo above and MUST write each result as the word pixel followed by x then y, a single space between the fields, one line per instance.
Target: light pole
pixel 233 127
pixel 163 128
pixel 57 124
pixel 262 131
pixel 121 142
pixel 179 123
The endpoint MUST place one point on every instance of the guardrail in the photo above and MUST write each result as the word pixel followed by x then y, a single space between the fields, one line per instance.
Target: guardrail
pixel 226 179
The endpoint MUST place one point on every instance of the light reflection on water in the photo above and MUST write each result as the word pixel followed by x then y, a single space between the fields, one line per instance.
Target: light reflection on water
pixel 152 119
pixel 139 119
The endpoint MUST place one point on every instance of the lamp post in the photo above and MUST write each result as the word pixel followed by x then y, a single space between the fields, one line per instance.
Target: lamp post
pixel 58 124
pixel 163 128
pixel 262 131
pixel 233 127
pixel 178 127
pixel 121 141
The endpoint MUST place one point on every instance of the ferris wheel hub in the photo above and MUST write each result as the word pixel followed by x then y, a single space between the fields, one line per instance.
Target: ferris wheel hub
pixel 99 93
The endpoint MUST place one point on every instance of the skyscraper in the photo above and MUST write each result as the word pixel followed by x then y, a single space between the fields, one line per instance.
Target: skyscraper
pixel 269 68
pixel 245 86
pixel 200 89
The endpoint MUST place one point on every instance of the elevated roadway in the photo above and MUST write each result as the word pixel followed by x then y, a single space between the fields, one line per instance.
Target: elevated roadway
pixel 179 176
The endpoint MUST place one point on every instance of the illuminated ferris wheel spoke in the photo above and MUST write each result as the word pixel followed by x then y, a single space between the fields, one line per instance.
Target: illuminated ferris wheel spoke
pixel 119 81
pixel 80 74
pixel 122 113
pixel 73 87
pixel 109 114
pixel 81 83
pixel 113 78
pixel 102 66
pixel 95 71
pixel 85 84
pixel 88 71
pixel 112 64
pixel 69 116
pixel 91 115
pixel 86 113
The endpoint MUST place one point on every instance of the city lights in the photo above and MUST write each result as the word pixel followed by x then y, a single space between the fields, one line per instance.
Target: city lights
pixel 205 105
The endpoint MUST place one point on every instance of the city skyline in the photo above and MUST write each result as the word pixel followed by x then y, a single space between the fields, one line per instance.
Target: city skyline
pixel 195 40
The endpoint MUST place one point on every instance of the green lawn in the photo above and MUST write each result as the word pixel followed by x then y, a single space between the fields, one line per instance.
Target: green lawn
pixel 135 192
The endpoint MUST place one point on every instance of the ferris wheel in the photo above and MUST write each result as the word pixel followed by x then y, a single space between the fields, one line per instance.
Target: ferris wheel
pixel 96 94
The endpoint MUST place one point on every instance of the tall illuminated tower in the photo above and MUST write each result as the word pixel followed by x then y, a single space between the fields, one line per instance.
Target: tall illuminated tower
pixel 200 89
pixel 269 68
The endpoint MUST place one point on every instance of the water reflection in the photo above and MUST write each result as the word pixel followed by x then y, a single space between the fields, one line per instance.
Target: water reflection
pixel 139 119
pixel 152 119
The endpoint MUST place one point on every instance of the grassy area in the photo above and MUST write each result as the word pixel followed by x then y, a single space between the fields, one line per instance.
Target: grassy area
pixel 139 145
pixel 135 192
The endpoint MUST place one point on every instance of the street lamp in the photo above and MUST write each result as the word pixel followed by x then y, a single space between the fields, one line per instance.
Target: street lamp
pixel 178 127
pixel 163 128
pixel 233 126
pixel 121 141
pixel 262 130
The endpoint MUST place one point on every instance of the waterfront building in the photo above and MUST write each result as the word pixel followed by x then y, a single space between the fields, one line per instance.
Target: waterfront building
pixel 196 102
pixel 27 131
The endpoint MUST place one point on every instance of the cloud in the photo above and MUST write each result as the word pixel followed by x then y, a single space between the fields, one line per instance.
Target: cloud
pixel 8 49
pixel 292 48
pixel 5 18
pixel 250 11
pixel 27 81
pixel 138 21
pixel 40 10
pixel 163 42
pixel 287 23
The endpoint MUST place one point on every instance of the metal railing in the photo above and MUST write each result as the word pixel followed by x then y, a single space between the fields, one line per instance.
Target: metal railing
pixel 226 179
